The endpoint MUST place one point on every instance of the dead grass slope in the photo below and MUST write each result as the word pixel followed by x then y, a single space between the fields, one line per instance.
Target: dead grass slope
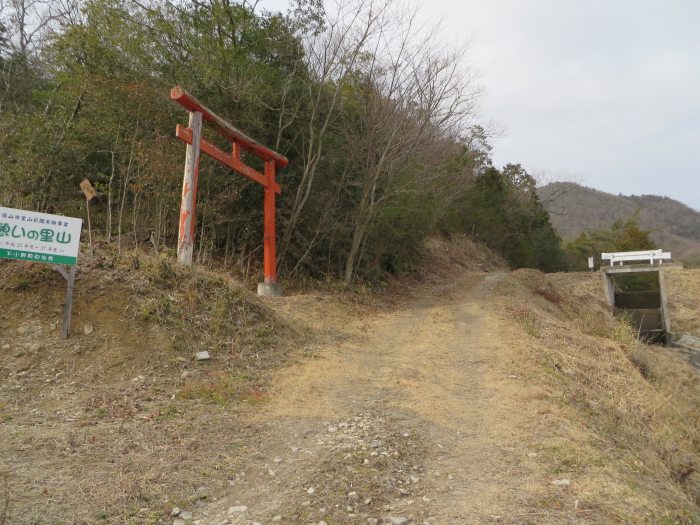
pixel 445 256
pixel 621 420
pixel 445 260
pixel 684 300
pixel 118 424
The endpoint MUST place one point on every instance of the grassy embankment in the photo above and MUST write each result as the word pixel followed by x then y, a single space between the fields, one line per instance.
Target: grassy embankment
pixel 619 419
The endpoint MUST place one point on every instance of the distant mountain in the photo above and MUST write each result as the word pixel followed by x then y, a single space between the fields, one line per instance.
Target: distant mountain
pixel 575 209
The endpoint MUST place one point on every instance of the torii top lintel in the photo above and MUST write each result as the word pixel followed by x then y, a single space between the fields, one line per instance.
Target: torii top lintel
pixel 225 129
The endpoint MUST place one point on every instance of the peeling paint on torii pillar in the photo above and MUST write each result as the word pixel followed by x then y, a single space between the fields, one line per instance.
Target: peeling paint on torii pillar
pixel 192 136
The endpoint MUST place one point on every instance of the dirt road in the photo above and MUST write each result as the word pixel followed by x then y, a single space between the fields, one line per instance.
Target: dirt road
pixel 510 399
pixel 410 418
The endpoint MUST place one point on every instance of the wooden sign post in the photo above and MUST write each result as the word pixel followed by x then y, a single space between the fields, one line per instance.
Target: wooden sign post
pixel 89 193
pixel 192 136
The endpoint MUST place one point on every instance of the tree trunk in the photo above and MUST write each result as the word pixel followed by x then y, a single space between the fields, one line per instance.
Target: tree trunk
pixel 357 235
pixel 110 200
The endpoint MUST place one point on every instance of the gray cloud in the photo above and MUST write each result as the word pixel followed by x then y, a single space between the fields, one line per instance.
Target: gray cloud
pixel 607 93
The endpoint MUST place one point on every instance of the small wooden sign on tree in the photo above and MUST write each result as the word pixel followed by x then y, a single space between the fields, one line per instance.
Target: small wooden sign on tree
pixel 89 191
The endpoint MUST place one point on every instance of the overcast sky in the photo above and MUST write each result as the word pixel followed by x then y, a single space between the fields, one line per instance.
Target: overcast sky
pixel 602 92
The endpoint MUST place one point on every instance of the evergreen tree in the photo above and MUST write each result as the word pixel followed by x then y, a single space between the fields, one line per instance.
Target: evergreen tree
pixel 622 236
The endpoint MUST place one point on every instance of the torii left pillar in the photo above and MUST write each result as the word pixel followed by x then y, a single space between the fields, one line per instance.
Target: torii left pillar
pixel 190 181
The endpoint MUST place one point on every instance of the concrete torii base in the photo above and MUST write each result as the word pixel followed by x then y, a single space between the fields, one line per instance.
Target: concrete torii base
pixel 269 289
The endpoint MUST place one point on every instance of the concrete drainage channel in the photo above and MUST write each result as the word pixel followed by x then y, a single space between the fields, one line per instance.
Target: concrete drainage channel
pixel 639 292
pixel 645 311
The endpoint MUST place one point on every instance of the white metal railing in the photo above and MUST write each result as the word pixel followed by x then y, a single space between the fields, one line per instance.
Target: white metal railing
pixel 644 255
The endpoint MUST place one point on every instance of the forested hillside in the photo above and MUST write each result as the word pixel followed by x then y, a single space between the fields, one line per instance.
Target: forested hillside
pixel 373 109
pixel 577 209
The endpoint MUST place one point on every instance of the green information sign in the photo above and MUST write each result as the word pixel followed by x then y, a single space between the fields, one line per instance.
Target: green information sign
pixel 39 237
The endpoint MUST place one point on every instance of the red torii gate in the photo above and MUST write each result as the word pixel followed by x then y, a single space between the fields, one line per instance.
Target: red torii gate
pixel 192 135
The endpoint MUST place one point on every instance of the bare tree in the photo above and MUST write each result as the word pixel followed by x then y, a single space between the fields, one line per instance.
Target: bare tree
pixel 25 26
pixel 332 57
pixel 29 20
pixel 417 100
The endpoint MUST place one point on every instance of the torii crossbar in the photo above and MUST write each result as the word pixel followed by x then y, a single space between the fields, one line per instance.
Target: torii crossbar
pixel 192 136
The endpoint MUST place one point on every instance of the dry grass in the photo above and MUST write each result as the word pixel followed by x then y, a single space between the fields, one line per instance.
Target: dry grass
pixel 459 252
pixel 624 418
pixel 120 425
pixel 684 300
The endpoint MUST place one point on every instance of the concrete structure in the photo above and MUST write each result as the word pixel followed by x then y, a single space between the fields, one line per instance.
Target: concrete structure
pixel 648 309
pixel 268 289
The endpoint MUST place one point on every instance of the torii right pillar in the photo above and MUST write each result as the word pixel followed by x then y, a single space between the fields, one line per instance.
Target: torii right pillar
pixel 269 286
